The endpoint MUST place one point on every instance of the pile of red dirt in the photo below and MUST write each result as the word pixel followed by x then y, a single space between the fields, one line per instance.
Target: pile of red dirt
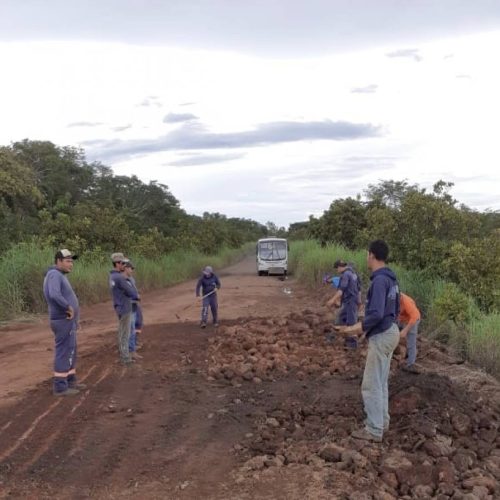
pixel 443 440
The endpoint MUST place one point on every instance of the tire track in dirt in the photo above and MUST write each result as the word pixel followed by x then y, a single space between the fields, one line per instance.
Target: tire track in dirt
pixel 147 411
pixel 41 429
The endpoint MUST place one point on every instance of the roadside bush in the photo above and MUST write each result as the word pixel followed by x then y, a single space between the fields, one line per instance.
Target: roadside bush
pixel 484 342
pixel 453 305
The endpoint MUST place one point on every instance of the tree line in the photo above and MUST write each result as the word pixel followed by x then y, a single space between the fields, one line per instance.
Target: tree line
pixel 54 195
pixel 426 230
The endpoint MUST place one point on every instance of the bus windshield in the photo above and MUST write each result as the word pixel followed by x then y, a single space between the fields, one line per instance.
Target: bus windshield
pixel 272 250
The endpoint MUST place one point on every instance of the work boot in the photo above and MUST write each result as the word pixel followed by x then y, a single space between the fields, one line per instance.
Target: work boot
pixel 68 392
pixel 366 436
pixel 78 386
pixel 411 369
pixel 203 324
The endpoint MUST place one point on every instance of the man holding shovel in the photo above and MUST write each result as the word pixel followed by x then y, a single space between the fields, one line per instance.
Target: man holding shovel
pixel 346 298
pixel 208 284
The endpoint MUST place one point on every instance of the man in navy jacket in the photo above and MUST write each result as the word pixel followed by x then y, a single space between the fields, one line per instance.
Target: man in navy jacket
pixel 64 314
pixel 208 284
pixel 347 295
pixel 123 293
pixel 381 330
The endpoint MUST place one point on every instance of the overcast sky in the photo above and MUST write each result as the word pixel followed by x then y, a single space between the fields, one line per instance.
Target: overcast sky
pixel 260 109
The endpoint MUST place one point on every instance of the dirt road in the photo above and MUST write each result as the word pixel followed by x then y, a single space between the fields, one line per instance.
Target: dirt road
pixel 262 408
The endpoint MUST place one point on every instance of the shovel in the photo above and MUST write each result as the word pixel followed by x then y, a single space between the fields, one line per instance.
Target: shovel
pixel 191 305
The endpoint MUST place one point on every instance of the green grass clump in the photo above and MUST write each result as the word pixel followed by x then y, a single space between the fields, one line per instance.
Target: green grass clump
pixel 484 342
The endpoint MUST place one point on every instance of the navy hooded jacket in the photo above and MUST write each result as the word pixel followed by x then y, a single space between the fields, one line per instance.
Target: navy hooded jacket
pixel 59 294
pixel 207 284
pixel 382 302
pixel 123 292
pixel 350 286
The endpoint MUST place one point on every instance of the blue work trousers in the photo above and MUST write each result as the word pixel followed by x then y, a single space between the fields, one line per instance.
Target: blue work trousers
pixel 349 312
pixel 133 339
pixel 210 301
pixel 65 353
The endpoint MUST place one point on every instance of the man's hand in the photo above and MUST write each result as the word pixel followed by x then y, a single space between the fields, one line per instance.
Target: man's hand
pixel 356 329
pixel 332 303
pixel 404 332
pixel 70 314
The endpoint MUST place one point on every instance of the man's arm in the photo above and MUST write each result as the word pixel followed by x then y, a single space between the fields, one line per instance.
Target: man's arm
pixel 128 290
pixel 54 283
pixel 336 299
pixel 411 311
pixel 356 329
pixel 198 287
pixel 374 311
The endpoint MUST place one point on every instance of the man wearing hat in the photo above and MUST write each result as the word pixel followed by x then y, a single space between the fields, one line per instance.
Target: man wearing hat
pixel 128 272
pixel 123 293
pixel 64 315
pixel 347 295
pixel 208 284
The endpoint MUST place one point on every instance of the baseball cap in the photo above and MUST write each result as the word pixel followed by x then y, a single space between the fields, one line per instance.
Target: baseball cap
pixel 117 257
pixel 339 263
pixel 128 263
pixel 208 270
pixel 65 254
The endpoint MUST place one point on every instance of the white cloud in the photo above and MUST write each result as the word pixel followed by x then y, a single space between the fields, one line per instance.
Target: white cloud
pixel 433 124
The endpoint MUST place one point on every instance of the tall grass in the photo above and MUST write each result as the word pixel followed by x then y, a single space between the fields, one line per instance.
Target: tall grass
pixel 448 315
pixel 308 261
pixel 23 268
pixel 484 342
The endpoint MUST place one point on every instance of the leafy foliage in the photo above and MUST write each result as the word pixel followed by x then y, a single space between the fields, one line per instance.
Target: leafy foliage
pixel 53 194
pixel 426 231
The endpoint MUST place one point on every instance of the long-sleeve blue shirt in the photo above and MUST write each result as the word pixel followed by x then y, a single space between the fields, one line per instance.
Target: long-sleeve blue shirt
pixel 123 292
pixel 207 284
pixel 382 302
pixel 350 286
pixel 59 294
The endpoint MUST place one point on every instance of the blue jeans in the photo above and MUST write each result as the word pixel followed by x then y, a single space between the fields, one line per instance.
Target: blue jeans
pixel 132 338
pixel 210 301
pixel 375 385
pixel 411 344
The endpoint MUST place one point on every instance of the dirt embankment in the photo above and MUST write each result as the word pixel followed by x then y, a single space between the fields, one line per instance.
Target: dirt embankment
pixel 262 408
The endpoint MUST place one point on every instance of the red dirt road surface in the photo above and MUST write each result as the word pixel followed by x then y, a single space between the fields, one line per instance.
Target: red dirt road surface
pixel 261 408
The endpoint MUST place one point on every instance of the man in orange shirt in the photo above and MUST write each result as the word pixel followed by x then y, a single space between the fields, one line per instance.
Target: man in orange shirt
pixel 409 319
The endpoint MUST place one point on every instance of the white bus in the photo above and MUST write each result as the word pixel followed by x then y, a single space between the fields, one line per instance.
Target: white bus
pixel 272 256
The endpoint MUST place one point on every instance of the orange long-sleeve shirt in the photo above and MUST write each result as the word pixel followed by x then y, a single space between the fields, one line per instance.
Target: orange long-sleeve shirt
pixel 409 313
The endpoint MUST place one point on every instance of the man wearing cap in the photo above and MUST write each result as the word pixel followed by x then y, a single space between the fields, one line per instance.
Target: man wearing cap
pixel 347 295
pixel 208 284
pixel 128 271
pixel 64 315
pixel 123 293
